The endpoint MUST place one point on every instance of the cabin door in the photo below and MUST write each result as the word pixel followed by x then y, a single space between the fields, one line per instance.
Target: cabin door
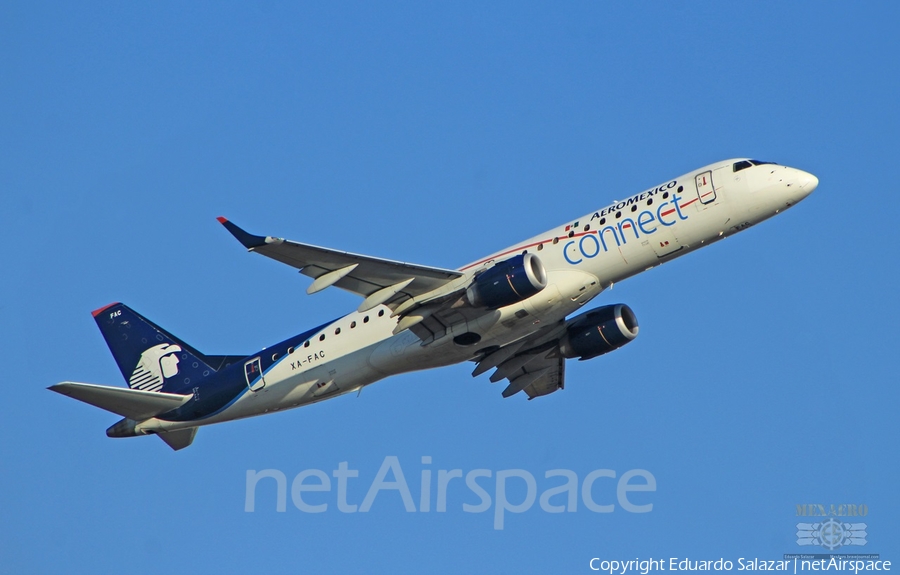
pixel 705 190
pixel 254 375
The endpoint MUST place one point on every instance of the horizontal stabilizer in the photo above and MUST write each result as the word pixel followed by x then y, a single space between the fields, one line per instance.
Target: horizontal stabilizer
pixel 179 439
pixel 131 403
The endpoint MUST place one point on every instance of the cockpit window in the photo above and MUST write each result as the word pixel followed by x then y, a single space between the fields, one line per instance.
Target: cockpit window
pixel 759 163
pixel 742 165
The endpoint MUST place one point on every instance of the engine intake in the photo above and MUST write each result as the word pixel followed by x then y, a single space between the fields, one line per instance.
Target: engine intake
pixel 508 282
pixel 599 331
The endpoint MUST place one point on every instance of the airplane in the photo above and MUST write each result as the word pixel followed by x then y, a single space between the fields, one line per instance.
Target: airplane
pixel 508 311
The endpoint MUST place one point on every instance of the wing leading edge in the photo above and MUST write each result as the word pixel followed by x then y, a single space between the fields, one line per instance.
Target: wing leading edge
pixel 131 403
pixel 379 281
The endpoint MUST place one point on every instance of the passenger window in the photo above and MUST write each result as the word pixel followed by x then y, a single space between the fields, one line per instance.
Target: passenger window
pixel 322 337
pixel 380 313
pixel 337 331
pixel 665 195
pixel 634 208
pixel 352 324
pixel 366 319
pixel 618 215
pixel 650 201
pixel 587 228
pixel 555 241
pixel 540 247
pixel 602 221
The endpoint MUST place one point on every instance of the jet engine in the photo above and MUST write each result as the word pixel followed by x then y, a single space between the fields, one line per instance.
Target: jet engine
pixel 508 282
pixel 599 331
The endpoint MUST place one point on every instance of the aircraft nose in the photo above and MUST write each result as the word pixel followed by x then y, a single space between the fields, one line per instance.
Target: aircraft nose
pixel 808 182
pixel 798 184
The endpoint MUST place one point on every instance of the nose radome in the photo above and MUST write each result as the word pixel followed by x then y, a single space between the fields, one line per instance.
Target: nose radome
pixel 808 182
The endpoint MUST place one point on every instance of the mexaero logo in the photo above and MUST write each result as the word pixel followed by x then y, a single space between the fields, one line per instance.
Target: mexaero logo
pixel 156 364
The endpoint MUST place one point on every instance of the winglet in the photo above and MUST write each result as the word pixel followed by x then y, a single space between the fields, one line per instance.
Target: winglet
pixel 248 240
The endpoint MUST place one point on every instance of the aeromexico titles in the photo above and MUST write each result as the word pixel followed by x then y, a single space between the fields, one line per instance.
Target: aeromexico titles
pixel 511 311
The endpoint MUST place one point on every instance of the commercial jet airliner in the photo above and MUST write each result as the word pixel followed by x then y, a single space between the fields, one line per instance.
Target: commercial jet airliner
pixel 508 311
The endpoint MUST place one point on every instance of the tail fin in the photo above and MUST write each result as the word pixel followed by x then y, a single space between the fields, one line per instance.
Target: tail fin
pixel 179 439
pixel 149 357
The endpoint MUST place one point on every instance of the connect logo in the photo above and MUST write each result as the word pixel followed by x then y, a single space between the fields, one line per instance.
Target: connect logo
pixel 156 364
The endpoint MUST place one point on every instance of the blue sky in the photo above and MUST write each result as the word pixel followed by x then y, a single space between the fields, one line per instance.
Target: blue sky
pixel 764 376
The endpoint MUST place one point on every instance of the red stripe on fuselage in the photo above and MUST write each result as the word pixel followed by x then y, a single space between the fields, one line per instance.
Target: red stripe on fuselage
pixel 525 247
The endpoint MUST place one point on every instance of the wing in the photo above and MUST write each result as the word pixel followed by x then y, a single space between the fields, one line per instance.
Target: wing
pixel 379 281
pixel 540 377
pixel 533 365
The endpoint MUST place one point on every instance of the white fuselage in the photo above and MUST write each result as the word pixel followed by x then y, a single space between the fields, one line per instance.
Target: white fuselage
pixel 581 259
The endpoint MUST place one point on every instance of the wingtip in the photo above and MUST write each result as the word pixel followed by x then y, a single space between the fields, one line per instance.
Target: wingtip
pixel 222 219
pixel 249 241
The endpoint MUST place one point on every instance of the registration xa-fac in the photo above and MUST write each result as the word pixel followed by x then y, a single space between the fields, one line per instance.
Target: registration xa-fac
pixel 518 311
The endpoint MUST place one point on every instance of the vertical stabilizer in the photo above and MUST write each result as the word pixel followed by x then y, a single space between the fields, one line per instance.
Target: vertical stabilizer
pixel 179 439
pixel 149 357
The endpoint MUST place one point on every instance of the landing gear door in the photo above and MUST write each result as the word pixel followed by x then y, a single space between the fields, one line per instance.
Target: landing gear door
pixel 254 375
pixel 705 190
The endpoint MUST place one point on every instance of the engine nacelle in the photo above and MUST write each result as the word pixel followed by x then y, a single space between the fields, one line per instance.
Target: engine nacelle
pixel 599 331
pixel 508 282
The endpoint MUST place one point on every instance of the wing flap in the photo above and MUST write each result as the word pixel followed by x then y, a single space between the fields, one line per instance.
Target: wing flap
pixel 131 403
pixel 539 376
pixel 518 384
pixel 552 380
pixel 533 364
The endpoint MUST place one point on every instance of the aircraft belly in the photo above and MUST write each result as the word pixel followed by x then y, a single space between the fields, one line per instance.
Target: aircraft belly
pixel 338 376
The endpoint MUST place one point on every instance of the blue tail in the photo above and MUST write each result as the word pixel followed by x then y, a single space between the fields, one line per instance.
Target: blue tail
pixel 149 357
